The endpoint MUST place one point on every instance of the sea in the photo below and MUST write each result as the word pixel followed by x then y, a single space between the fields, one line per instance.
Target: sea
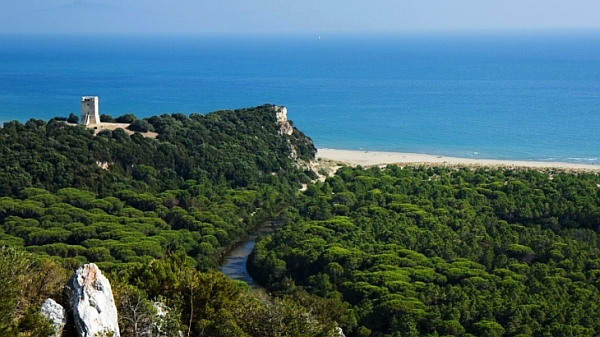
pixel 531 95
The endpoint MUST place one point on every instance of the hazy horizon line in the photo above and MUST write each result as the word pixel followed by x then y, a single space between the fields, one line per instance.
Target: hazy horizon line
pixel 324 34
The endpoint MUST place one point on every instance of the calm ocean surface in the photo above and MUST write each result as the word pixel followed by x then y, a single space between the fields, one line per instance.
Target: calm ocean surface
pixel 513 96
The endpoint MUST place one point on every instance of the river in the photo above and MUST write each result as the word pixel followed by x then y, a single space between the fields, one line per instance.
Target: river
pixel 234 263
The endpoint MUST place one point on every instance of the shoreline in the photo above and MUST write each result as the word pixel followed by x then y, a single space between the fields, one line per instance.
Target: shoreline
pixel 376 158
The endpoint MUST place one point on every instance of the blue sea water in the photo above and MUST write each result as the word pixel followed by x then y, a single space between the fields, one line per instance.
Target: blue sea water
pixel 526 96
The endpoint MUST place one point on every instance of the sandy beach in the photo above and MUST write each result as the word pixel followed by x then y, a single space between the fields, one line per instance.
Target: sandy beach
pixel 370 158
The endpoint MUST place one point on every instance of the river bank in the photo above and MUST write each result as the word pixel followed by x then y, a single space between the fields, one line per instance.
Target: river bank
pixel 233 264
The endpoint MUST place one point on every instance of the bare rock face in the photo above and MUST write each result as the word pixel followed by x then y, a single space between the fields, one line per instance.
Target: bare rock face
pixel 285 128
pixel 92 302
pixel 56 314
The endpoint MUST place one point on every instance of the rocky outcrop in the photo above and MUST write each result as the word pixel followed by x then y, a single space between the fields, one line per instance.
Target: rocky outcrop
pixel 56 314
pixel 102 164
pixel 92 303
pixel 285 128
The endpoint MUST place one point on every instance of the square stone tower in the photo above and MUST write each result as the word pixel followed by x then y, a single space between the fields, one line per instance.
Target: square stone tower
pixel 90 114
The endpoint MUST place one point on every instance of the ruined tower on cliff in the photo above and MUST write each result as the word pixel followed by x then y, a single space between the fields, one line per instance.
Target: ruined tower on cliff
pixel 89 110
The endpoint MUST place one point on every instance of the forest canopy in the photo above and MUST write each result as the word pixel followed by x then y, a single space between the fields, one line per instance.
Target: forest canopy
pixel 394 251
pixel 115 198
pixel 172 205
pixel 444 251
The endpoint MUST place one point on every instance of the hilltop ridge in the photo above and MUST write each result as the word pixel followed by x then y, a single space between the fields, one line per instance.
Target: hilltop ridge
pixel 240 146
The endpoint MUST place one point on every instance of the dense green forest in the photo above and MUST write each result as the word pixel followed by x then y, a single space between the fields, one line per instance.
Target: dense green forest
pixel 444 251
pixel 114 198
pixel 413 251
pixel 157 214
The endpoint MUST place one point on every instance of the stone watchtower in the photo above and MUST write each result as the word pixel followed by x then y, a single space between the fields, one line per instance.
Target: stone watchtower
pixel 90 114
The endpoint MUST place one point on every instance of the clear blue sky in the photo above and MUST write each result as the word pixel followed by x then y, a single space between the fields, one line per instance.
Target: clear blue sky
pixel 287 16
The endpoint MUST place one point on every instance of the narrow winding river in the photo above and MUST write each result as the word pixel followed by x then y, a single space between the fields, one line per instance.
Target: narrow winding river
pixel 234 263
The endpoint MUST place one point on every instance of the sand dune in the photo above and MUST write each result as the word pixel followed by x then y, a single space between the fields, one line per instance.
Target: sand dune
pixel 370 158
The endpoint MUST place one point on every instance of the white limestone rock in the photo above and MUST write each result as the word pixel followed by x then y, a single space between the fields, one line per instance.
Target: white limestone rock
pixel 285 128
pixel 92 303
pixel 56 314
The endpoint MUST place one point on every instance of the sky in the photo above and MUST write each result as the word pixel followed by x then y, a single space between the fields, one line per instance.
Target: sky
pixel 299 16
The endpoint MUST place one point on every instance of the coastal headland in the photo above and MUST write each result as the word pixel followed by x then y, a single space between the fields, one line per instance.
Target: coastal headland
pixel 377 158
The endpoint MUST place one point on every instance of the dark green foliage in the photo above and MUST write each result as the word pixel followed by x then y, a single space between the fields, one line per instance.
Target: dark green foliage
pixel 34 325
pixel 439 251
pixel 73 118
pixel 104 118
pixel 239 148
pixel 380 252
pixel 140 125
pixel 201 185
pixel 133 227
pixel 153 212
pixel 126 118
